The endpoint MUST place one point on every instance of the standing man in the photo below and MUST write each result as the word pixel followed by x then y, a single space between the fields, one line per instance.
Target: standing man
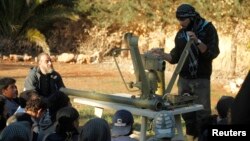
pixel 43 78
pixel 197 69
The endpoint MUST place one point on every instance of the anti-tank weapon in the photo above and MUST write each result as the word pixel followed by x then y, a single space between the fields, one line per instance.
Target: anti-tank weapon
pixel 149 71
pixel 150 79
pixel 147 98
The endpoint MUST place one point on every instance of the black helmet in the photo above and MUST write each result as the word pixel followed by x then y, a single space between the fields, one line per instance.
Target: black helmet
pixel 185 11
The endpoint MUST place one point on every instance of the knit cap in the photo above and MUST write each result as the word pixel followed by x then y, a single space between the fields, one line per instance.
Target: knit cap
pixel 17 131
pixel 164 125
pixel 96 129
pixel 185 11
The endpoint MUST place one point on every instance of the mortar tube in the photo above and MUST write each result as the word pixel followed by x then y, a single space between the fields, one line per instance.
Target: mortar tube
pixel 153 104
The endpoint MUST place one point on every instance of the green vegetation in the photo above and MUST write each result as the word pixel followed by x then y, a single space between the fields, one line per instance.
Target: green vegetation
pixel 143 12
pixel 32 20
pixel 26 19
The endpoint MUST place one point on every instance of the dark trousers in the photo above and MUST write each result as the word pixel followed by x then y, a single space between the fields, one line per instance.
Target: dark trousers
pixel 200 88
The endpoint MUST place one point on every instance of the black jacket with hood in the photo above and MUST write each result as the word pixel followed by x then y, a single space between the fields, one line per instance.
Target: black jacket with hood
pixel 206 32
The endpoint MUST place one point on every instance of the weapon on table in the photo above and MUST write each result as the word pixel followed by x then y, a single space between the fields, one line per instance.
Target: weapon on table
pixel 149 73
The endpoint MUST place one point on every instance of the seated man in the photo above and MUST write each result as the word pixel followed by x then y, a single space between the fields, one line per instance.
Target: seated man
pixel 43 78
pixel 36 109
pixel 95 129
pixel 122 126
pixel 223 107
pixel 9 90
pixel 24 97
pixel 163 127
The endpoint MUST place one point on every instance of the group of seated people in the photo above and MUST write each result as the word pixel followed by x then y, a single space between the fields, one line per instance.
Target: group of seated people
pixel 31 117
pixel 54 119
pixel 43 113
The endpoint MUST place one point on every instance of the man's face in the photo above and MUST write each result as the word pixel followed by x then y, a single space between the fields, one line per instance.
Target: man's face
pixel 11 91
pixel 184 22
pixel 45 64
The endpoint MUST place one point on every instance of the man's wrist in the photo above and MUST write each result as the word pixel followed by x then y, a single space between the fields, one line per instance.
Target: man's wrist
pixel 198 42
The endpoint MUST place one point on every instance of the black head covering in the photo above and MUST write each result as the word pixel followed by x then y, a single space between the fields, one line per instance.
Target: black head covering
pixel 185 11
pixel 65 120
pixel 96 129
pixel 223 105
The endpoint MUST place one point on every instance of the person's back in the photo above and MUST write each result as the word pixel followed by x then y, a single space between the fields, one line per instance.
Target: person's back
pixel 123 138
pixel 163 127
pixel 67 126
pixel 240 108
pixel 43 78
pixel 17 131
pixel 47 123
pixel 61 137
pixel 96 129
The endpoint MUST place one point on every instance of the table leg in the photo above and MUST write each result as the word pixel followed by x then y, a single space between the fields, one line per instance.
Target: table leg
pixel 179 136
pixel 143 128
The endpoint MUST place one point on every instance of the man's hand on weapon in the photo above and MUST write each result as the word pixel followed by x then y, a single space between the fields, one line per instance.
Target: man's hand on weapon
pixel 158 52
pixel 192 36
pixel 202 47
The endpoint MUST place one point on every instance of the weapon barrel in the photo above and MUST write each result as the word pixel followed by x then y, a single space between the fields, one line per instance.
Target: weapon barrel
pixel 153 104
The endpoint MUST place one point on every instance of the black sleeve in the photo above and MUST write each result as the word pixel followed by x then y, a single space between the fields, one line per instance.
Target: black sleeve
pixel 60 83
pixel 212 42
pixel 175 52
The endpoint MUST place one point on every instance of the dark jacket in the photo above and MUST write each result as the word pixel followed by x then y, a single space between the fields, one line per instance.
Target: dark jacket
pixel 60 137
pixel 123 138
pixel 206 32
pixel 33 82
pixel 240 109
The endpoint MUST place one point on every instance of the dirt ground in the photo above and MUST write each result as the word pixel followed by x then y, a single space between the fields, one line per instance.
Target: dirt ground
pixel 103 77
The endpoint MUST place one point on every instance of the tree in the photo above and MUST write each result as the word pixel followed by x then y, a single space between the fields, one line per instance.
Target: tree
pixel 25 19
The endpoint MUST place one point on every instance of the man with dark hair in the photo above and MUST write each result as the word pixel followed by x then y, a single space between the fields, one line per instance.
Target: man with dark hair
pixel 195 74
pixel 24 97
pixel 43 78
pixel 9 90
pixel 67 125
pixel 36 108
pixel 223 107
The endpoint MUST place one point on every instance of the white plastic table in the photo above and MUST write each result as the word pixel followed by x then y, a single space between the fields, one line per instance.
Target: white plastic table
pixel 144 113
